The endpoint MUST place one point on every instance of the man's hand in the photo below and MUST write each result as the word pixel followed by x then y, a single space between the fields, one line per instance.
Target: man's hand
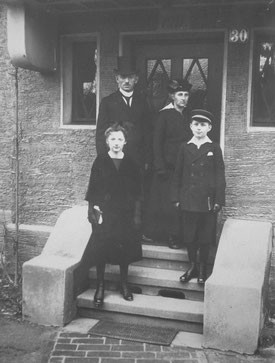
pixel 216 208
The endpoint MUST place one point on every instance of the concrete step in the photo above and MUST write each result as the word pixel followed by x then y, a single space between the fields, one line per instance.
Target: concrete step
pixel 152 281
pixel 166 264
pixel 145 305
pixel 165 253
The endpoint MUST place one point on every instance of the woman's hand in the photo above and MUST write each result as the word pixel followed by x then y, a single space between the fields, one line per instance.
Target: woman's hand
pixel 176 204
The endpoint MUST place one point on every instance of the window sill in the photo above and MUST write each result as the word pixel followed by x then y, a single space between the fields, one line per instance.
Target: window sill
pixel 78 127
pixel 261 128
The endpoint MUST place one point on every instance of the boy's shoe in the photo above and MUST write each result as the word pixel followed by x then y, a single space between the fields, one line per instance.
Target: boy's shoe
pixel 202 273
pixel 99 295
pixel 190 273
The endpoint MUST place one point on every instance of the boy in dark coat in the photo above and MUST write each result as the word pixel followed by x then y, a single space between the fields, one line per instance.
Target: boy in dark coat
pixel 198 189
pixel 114 195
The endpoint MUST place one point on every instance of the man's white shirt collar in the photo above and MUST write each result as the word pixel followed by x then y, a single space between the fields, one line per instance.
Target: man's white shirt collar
pixel 198 143
pixel 126 94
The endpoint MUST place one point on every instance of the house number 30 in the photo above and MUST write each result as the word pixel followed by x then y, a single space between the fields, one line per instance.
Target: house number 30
pixel 238 36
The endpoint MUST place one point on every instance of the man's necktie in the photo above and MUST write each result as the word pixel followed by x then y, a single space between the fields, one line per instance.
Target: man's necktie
pixel 127 99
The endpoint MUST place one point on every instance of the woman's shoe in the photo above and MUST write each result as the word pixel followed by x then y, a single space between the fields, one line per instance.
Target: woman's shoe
pixel 173 244
pixel 202 274
pixel 99 295
pixel 190 273
pixel 126 293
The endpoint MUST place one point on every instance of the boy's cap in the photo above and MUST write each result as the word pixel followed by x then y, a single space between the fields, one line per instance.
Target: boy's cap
pixel 202 116
pixel 177 85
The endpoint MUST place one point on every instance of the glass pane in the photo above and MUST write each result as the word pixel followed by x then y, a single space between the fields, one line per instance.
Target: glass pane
pixel 264 82
pixel 158 74
pixel 195 70
pixel 84 82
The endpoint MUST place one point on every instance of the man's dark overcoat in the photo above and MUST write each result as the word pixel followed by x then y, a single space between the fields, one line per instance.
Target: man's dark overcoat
pixel 171 129
pixel 199 178
pixel 135 119
pixel 116 240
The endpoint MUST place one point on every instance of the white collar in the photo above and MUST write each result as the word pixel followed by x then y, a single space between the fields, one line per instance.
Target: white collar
pixel 168 107
pixel 118 156
pixel 171 106
pixel 126 94
pixel 198 143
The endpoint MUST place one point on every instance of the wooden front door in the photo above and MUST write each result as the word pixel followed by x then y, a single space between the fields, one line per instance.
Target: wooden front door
pixel 199 61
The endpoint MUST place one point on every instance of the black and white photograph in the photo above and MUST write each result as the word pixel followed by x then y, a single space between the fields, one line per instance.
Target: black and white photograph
pixel 137 181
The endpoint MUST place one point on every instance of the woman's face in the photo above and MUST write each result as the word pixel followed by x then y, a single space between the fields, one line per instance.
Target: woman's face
pixel 180 98
pixel 116 141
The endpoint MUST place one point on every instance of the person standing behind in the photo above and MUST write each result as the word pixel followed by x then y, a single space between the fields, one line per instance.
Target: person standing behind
pixel 128 108
pixel 114 194
pixel 171 129
pixel 198 189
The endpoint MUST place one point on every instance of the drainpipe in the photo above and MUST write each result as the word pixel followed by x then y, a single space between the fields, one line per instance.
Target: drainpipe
pixel 15 245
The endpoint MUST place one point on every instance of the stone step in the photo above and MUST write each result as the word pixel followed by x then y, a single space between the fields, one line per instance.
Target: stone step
pixel 165 253
pixel 145 305
pixel 166 264
pixel 152 281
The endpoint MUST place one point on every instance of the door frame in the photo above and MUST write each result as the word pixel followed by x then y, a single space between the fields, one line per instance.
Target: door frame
pixel 127 38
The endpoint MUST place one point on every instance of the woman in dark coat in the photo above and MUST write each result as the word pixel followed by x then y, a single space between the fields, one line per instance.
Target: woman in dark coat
pixel 171 129
pixel 114 195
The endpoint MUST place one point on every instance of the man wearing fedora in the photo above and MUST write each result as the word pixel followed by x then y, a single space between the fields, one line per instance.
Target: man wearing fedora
pixel 129 108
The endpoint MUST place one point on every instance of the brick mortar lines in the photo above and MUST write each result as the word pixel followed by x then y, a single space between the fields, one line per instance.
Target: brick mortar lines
pixel 68 346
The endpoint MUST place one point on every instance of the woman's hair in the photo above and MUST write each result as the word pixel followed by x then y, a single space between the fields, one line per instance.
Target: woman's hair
pixel 115 128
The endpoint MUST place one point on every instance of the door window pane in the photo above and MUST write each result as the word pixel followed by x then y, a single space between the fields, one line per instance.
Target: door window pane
pixel 195 70
pixel 264 81
pixel 158 74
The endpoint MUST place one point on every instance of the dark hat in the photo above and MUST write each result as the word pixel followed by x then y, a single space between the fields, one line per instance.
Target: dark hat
pixel 202 116
pixel 125 66
pixel 178 85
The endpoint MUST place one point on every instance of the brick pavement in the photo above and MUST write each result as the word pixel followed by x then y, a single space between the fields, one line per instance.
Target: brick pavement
pixel 84 348
pixel 74 344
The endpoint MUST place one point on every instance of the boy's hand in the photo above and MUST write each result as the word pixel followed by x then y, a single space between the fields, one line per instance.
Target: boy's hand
pixel 176 204
pixel 94 215
pixel 216 208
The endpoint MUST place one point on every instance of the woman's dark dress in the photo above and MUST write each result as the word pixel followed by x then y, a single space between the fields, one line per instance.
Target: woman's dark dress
pixel 115 191
pixel 171 129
